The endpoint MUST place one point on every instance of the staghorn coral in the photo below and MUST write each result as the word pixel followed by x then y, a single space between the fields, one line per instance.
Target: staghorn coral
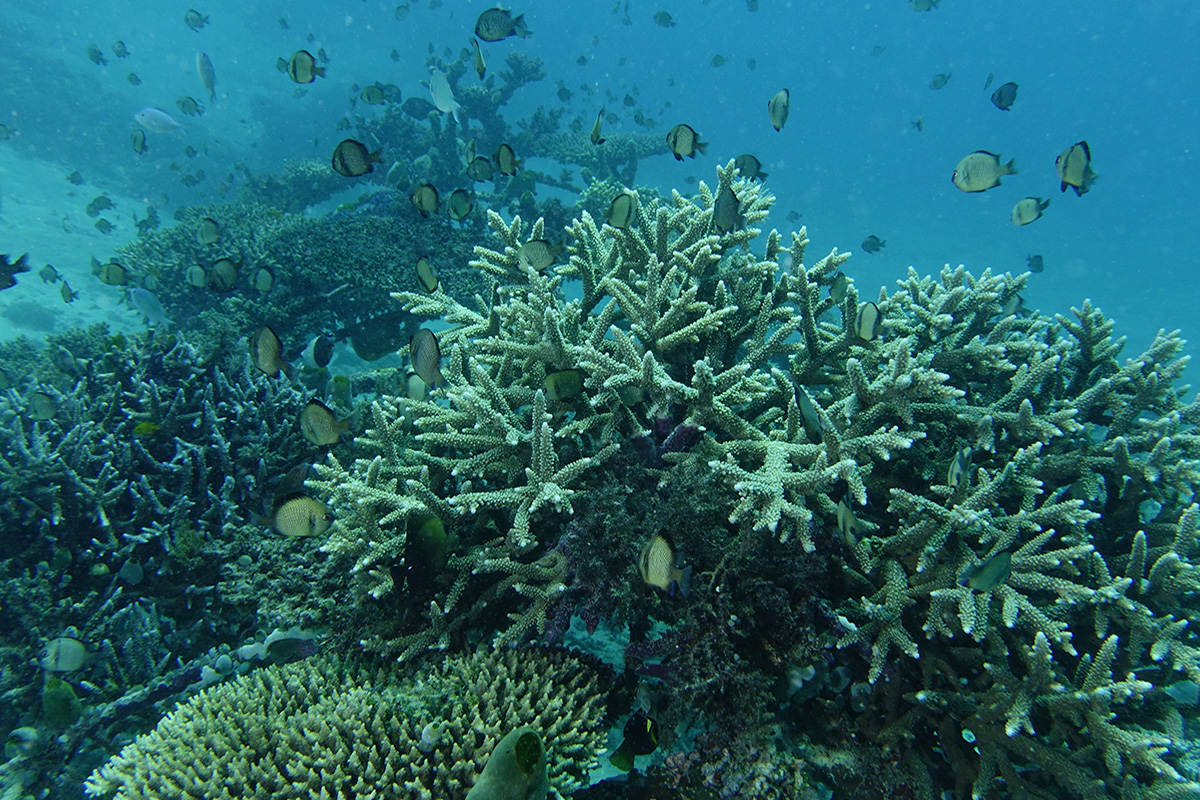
pixel 328 726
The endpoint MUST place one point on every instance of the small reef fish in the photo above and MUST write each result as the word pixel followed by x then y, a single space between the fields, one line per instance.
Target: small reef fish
pixel 196 276
pixel 443 95
pixel 778 108
pixel 208 231
pixel 208 75
pixel 480 169
pixel 640 739
pixel 351 158
pixel 189 106
pixel 810 419
pixel 425 199
pixel 563 385
pixel 684 141
pixel 495 24
pixel 596 126
pixel 988 575
pixel 320 425
pixel 68 295
pixel 869 322
pixel 64 654
pixel 657 566
pixel 873 244
pixel 414 387
pixel 302 67
pixel 1027 210
pixel 372 95
pixel 538 254
pixel 939 80
pixel 113 274
pixel 10 269
pixel 318 352
pixel 749 167
pixel 99 203
pixel 147 304
pixel 427 275
pixel 1035 263
pixel 621 210
pixel 139 142
pixel 959 473
pixel 194 19
pixel 839 288
pixel 1014 305
pixel 48 274
pixel 75 178
pixel 922 5
pixel 480 64
pixel 156 120
pixel 120 50
pixel 104 226
pixel 991 77
pixel 418 108
pixel 262 280
pixel 281 64
pixel 1074 166
pixel 1005 96
pixel 223 275
pixel 43 406
pixel 96 55
pixel 726 214
pixel 133 79
pixel 459 204
pixel 505 159
pixel 663 20
pixel 848 524
pixel 266 352
pixel 299 515
pixel 981 171
pixel 426 358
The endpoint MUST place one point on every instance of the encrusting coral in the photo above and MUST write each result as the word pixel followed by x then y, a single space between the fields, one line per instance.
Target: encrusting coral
pixel 334 727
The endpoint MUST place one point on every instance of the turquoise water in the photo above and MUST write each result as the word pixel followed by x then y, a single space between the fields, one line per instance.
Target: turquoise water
pixel 849 163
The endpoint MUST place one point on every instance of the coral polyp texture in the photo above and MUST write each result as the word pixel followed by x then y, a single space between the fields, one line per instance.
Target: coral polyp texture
pixel 329 727
pixel 977 522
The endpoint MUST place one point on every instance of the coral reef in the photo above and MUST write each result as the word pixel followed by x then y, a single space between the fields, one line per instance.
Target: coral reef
pixel 330 727
pixel 869 476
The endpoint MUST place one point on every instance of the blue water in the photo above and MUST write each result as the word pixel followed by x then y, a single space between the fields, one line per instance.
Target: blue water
pixel 1125 77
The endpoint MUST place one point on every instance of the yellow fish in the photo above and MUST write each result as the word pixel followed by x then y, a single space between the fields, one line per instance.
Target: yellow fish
pixel 299 515
pixel 657 567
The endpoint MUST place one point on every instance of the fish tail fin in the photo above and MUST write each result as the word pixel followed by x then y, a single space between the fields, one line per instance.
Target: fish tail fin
pixel 287 370
pixel 701 146
pixel 319 71
pixel 622 758
pixel 684 581
pixel 1042 206
pixel 519 27
pixel 1011 166
pixel 601 140
pixel 762 176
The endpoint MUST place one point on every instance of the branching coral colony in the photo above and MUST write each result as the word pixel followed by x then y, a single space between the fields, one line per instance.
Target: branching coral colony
pixel 1004 510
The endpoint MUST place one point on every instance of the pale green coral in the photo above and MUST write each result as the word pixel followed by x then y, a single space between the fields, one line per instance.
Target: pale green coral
pixel 329 727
